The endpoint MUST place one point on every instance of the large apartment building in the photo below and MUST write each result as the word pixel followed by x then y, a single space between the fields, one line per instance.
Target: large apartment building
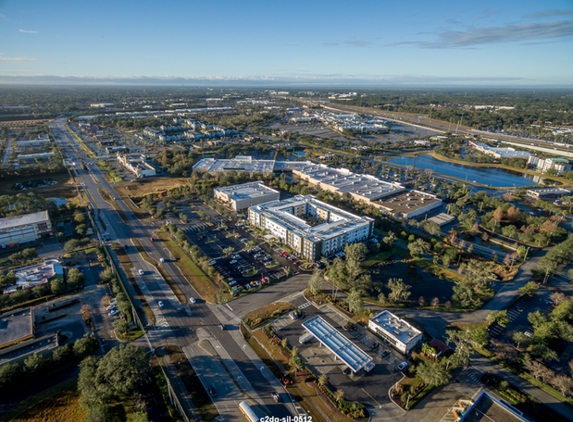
pixel 311 227
pixel 24 228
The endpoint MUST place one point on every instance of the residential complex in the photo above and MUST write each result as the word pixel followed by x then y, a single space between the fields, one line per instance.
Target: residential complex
pixel 397 332
pixel 542 164
pixel 25 228
pixel 240 197
pixel 311 227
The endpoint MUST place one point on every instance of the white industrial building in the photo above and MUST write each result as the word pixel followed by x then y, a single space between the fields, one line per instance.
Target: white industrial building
pixel 395 331
pixel 24 228
pixel 311 227
pixel 136 164
pixel 240 197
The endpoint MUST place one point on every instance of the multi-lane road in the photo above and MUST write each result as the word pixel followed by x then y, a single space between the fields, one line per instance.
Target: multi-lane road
pixel 221 358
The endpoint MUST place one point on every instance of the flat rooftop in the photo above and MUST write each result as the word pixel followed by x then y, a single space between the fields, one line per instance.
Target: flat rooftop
pixel 15 326
pixel 344 349
pixel 213 165
pixel 247 190
pixel 23 220
pixel 488 409
pixel 442 219
pixel 406 202
pixel 396 326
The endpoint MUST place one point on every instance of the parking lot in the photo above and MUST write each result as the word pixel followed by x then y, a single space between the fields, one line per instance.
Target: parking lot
pixel 369 388
pixel 244 261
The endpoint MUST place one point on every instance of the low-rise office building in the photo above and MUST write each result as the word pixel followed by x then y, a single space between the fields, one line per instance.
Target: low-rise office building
pixel 498 152
pixel 25 228
pixel 311 227
pixel 36 275
pixel 397 332
pixel 240 197
pixel 136 164
pixel 406 205
pixel 547 193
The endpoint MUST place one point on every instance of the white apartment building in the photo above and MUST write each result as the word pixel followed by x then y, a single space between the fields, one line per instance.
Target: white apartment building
pixel 24 228
pixel 311 227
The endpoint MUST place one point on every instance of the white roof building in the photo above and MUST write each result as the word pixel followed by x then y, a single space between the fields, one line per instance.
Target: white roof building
pixel 24 228
pixel 243 196
pixel 395 331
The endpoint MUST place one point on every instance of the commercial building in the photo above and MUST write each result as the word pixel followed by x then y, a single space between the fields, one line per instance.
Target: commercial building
pixel 548 193
pixel 32 158
pixel 542 164
pixel 442 219
pixel 311 227
pixel 25 228
pixel 397 332
pixel 341 347
pixel 240 197
pixel 487 408
pixel 406 205
pixel 499 152
pixel 36 275
pixel 136 164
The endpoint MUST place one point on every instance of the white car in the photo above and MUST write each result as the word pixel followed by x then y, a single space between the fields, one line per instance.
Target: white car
pixel 141 272
pixel 114 312
pixel 160 303
pixel 192 300
pixel 161 259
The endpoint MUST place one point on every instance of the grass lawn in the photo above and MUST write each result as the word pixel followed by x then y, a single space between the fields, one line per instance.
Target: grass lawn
pixel 383 256
pixel 267 312
pixel 59 403
pixel 192 273
pixel 156 185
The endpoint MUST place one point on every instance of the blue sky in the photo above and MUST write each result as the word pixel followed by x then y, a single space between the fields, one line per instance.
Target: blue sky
pixel 509 42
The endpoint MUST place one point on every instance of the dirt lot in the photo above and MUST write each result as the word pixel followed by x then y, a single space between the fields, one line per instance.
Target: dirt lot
pixel 149 186
pixel 65 188
pixel 62 407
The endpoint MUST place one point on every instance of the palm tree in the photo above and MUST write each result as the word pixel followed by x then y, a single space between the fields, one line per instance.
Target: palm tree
pixel 338 395
pixel 322 380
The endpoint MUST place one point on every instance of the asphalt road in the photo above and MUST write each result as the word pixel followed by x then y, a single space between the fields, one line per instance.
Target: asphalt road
pixel 234 365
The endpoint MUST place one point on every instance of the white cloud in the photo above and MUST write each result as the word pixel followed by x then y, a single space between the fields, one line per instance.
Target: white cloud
pixel 26 31
pixel 16 59
pixel 508 33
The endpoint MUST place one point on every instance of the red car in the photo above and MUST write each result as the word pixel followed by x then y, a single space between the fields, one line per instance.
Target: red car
pixel 152 239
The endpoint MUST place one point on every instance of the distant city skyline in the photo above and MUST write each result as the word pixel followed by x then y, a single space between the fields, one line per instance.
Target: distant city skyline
pixel 314 43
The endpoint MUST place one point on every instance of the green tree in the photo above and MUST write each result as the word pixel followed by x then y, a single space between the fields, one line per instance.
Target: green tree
pixel 8 373
pixel 72 244
pixel 81 229
pixel 316 281
pixel 418 247
pixel 62 353
pixel 500 317
pixel 76 279
pixel 138 417
pixel 433 373
pixel 390 239
pixel 354 300
pixel 530 288
pixel 338 395
pixel 121 327
pixel 398 290
pixel 57 286
pixel 34 363
pixel 122 369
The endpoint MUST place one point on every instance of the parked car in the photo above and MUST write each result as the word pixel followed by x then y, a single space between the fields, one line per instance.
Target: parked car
pixel 221 327
pixel 385 353
pixel 160 303
pixel 114 312
pixel 213 262
pixel 233 283
pixel 192 300
pixel 161 259
pixel 232 262
pixel 402 366
pixel 277 397
pixel 110 307
pixel 212 391
pixel 152 239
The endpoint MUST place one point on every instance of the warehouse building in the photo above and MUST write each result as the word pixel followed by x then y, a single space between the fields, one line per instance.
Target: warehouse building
pixel 25 228
pixel 240 197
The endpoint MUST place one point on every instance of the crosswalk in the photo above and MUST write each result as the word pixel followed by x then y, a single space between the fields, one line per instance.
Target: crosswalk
pixel 285 320
pixel 496 330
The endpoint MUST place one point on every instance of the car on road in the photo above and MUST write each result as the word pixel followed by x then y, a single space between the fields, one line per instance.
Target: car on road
pixel 212 391
pixel 161 259
pixel 141 272
pixel 152 239
pixel 402 366
pixel 114 312
pixel 192 300
pixel 160 303
pixel 277 397
pixel 221 327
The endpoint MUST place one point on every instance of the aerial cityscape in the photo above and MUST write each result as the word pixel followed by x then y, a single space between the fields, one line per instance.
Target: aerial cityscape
pixel 305 211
